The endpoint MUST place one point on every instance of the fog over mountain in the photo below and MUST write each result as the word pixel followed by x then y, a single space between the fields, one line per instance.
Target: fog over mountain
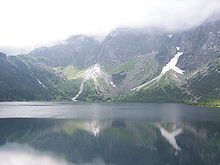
pixel 23 25
pixel 15 50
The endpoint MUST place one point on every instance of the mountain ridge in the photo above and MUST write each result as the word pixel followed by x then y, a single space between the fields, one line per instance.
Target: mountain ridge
pixel 131 58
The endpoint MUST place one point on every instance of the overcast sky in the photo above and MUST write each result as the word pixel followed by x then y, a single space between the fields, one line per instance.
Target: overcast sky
pixel 34 22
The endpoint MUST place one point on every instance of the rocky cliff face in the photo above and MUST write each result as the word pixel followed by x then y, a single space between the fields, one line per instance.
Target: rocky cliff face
pixel 198 44
pixel 124 44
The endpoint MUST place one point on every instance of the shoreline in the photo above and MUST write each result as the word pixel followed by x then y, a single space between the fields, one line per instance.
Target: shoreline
pixel 69 101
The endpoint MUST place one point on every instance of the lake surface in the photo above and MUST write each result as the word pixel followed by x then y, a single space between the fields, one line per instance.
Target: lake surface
pixel 47 133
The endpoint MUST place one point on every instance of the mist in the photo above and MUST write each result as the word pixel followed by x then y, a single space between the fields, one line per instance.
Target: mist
pixel 33 23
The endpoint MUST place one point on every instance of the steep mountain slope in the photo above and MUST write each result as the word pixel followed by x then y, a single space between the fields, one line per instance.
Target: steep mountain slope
pixel 20 81
pixel 204 86
pixel 166 87
pixel 147 65
pixel 197 48
pixel 92 84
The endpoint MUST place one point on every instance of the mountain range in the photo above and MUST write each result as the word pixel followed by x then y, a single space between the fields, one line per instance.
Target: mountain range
pixel 141 65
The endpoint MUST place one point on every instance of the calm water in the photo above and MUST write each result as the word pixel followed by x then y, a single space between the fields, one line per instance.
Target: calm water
pixel 45 133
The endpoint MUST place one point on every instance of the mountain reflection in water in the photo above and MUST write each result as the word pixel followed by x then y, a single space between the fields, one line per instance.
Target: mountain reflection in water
pixel 119 142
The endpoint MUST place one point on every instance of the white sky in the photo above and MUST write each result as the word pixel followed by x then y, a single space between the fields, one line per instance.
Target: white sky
pixel 34 22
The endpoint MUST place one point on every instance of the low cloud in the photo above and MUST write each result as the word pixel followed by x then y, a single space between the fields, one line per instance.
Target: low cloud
pixel 175 15
pixel 30 22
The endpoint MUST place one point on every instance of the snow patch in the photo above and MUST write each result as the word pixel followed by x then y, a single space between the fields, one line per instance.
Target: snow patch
pixel 170 35
pixel 112 84
pixel 155 52
pixel 93 73
pixel 40 83
pixel 80 91
pixel 141 86
pixel 177 48
pixel 171 65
